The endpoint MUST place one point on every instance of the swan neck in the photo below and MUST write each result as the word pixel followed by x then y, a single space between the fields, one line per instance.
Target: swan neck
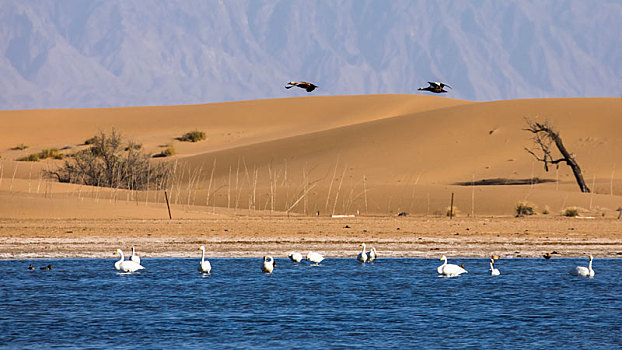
pixel 202 255
pixel 122 257
pixel 589 266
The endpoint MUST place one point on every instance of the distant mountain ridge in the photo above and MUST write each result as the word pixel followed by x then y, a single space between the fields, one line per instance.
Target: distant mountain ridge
pixel 76 53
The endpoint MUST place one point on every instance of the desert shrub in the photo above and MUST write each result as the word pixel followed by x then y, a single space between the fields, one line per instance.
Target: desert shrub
pixel 110 163
pixel 193 136
pixel 546 210
pixel 90 141
pixel 34 157
pixel 133 146
pixel 524 208
pixel 448 211
pixel 169 151
pixel 571 212
pixel 20 147
pixel 51 153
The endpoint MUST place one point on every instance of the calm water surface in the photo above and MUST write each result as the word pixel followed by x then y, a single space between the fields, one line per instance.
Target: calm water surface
pixel 85 303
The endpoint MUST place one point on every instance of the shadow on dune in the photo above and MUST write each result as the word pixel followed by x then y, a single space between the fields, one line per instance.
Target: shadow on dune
pixel 503 181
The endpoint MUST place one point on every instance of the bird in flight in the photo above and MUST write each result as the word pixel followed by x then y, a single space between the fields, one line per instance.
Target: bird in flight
pixel 435 87
pixel 301 84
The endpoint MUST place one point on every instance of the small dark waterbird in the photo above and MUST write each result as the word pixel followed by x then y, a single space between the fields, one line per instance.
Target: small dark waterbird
pixel 435 87
pixel 30 267
pixel 301 84
pixel 49 267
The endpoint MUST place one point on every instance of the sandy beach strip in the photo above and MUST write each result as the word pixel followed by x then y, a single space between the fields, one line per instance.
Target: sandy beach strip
pixel 247 236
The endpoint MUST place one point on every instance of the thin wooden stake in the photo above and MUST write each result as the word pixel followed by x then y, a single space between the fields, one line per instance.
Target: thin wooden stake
pixel 451 207
pixel 365 192
pixel 168 206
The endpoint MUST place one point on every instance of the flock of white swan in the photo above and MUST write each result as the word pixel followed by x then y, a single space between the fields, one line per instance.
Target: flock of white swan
pixel 268 264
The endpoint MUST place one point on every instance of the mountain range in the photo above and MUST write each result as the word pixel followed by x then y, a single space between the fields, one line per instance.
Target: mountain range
pixel 112 53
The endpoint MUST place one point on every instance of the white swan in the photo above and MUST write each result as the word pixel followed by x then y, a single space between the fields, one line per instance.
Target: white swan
pixel 315 257
pixel 135 258
pixel 493 271
pixel 204 266
pixel 295 257
pixel 126 265
pixel 583 271
pixel 268 264
pixel 362 257
pixel 372 254
pixel 449 270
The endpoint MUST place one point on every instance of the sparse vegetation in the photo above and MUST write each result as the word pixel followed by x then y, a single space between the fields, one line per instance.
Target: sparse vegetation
pixel 546 210
pixel 34 157
pixel 133 146
pixel 44 154
pixel 524 208
pixel 192 136
pixel 449 213
pixel 571 212
pixel 169 151
pixel 90 141
pixel 108 163
pixel 20 147
pixel 51 153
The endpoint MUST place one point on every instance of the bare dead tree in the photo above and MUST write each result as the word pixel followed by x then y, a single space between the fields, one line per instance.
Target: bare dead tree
pixel 544 137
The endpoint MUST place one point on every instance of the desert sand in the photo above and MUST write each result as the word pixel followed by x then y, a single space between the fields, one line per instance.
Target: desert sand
pixel 271 173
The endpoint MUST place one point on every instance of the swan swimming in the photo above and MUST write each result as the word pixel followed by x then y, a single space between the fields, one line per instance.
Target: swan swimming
pixel 449 270
pixel 362 257
pixel 135 258
pixel 583 271
pixel 372 254
pixel 295 257
pixel 204 266
pixel 493 271
pixel 268 264
pixel 126 265
pixel 315 257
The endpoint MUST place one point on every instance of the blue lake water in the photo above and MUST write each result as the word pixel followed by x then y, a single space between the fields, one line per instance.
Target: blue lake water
pixel 85 303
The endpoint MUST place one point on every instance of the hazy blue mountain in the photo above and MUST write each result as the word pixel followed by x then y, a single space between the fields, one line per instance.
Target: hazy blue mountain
pixel 94 53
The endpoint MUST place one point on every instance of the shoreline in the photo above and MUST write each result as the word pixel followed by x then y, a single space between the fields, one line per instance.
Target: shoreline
pixel 249 236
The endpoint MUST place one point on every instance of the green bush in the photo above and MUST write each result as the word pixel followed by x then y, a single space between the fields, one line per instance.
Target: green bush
pixel 193 136
pixel 524 208
pixel 571 212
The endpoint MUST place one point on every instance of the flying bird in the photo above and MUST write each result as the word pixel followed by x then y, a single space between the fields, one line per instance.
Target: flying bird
pixel 301 84
pixel 435 87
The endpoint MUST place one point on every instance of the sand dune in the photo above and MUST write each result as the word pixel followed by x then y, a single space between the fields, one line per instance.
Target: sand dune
pixel 378 154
